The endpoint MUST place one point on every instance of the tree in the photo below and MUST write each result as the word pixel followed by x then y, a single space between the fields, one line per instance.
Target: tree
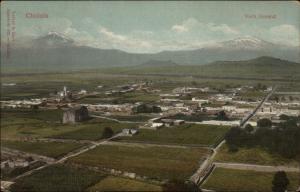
pixel 233 136
pixel 284 117
pixel 107 133
pixel 280 182
pixel 249 128
pixel 222 116
pixel 265 123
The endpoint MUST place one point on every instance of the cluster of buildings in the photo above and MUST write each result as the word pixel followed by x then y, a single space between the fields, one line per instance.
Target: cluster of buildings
pixel 144 86
pixel 160 122
pixel 25 103
pixel 185 100
pixel 11 160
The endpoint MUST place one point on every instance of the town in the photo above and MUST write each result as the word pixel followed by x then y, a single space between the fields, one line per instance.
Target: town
pixel 135 119
pixel 150 96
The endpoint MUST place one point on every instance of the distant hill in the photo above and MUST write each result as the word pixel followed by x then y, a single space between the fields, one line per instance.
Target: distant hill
pixel 261 67
pixel 55 52
pixel 158 63
pixel 263 61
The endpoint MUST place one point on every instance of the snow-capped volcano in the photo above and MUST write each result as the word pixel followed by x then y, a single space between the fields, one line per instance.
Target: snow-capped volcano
pixel 246 42
pixel 53 39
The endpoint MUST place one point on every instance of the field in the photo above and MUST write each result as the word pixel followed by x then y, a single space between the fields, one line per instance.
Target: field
pixel 153 162
pixel 111 183
pixel 7 173
pixel 184 134
pixel 237 180
pixel 16 124
pixel 252 156
pixel 20 123
pixel 50 149
pixel 58 178
pixel 93 131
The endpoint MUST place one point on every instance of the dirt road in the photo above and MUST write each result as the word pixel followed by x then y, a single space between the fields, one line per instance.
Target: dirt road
pixel 254 167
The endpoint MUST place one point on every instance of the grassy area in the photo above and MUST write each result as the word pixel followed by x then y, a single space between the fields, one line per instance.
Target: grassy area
pixel 16 124
pixel 93 131
pixel 52 115
pixel 137 118
pixel 239 180
pixel 58 178
pixel 139 97
pixel 8 173
pixel 22 127
pixel 252 155
pixel 19 123
pixel 154 162
pixel 184 134
pixel 50 149
pixel 111 183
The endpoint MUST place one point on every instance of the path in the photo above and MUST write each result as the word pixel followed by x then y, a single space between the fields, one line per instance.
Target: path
pixel 67 156
pixel 116 120
pixel 248 117
pixel 254 167
pixel 208 165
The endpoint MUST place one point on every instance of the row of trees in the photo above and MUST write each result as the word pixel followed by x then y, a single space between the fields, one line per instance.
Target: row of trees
pixel 282 139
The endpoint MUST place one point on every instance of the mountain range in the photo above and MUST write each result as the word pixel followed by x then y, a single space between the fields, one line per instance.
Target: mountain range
pixel 55 52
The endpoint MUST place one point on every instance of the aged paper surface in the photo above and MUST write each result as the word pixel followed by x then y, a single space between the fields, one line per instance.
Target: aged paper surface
pixel 150 96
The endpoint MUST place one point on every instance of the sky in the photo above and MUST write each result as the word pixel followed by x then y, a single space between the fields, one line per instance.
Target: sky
pixel 149 27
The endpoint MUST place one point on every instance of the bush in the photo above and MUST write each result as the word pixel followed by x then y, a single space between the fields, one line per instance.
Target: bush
pixel 280 182
pixel 221 116
pixel 107 132
pixel 266 123
pixel 283 139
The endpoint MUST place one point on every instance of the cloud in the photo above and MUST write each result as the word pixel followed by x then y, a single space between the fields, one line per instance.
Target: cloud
pixel 193 24
pixel 284 34
pixel 186 25
pixel 289 30
pixel 179 28
pixel 117 41
pixel 111 35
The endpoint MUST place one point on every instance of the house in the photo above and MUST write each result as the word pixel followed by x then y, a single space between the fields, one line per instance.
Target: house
pixel 75 114
pixel 129 132
pixel 157 125
pixel 82 92
pixel 168 122
pixel 179 122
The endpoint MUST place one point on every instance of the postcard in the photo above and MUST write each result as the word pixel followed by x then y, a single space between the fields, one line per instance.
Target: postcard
pixel 150 96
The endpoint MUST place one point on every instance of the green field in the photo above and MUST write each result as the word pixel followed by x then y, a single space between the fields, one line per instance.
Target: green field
pixel 52 115
pixel 252 156
pixel 50 149
pixel 153 162
pixel 58 178
pixel 184 134
pixel 93 131
pixel 20 123
pixel 238 180
pixel 137 118
pixel 111 183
